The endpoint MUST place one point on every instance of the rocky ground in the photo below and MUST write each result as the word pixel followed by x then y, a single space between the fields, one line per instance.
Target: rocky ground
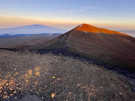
pixel 48 77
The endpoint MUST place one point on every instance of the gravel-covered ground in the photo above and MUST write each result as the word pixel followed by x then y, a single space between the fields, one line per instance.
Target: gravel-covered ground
pixel 49 77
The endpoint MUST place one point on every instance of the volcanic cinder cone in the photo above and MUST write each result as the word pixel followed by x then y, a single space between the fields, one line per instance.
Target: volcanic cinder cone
pixel 103 45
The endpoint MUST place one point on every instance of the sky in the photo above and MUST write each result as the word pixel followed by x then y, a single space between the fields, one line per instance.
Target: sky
pixel 117 14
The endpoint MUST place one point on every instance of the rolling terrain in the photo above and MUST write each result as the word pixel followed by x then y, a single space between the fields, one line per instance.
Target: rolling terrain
pixel 68 67
pixel 103 46
pixel 10 42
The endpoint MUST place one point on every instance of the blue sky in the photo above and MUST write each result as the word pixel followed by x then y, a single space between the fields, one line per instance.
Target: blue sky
pixel 114 13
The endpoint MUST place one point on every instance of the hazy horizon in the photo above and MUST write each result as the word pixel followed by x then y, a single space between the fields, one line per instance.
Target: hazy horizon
pixel 26 29
pixel 113 14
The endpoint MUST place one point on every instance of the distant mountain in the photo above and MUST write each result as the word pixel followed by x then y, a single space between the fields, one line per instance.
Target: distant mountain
pixel 31 29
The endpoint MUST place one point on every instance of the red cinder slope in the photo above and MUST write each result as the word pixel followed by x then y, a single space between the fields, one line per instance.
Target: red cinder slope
pixel 93 29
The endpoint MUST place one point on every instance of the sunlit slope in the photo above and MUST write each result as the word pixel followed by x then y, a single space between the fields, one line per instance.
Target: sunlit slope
pixel 93 29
